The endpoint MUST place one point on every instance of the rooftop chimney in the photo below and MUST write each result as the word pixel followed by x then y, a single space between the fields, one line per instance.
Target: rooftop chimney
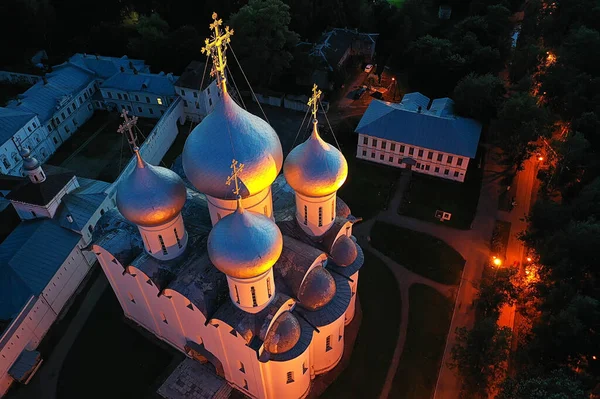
pixel 70 218
pixel 419 109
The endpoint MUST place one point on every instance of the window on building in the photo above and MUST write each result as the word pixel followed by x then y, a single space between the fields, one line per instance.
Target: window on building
pixel 6 163
pixel 332 210
pixel 418 165
pixel 197 105
pixel 290 377
pixel 185 103
pixel 131 298
pixel 159 101
pixel 151 111
pixel 210 102
pixel 437 170
pixel 177 238
pixel 430 155
pixel 137 98
pixel 459 161
pixel 148 100
pixel 245 385
pixel 237 295
pixel 383 145
pixel 129 108
pixel 195 94
pixel 35 177
pixel 364 153
pixel 164 318
pixel 402 148
pixel 49 127
pixel 439 158
pixel 374 143
pixel 90 229
pixel 63 115
pixel 253 292
pixel 29 128
pixel 101 212
pixel 365 140
pixel 266 210
pixel 420 153
pixel 190 306
pixel 67 130
pixel 233 332
pixel 109 94
pixel 381 156
pixel 304 368
pixel 33 214
pixel 341 334
pixel 426 167
pixel 372 155
pixel 399 161
pixel 455 174
pixel 392 147
pixel 305 215
pixel 269 293
pixel 391 159
pixel 54 140
pixel 162 245
pixel 449 159
pixel 125 96
pixel 119 96
pixel 208 90
pixel 411 151
pixel 320 216
pixel 446 171
pixel 182 92
pixel 328 343
pixel 140 109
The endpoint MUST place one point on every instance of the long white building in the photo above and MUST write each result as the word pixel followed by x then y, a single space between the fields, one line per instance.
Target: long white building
pixel 430 139
pixel 253 272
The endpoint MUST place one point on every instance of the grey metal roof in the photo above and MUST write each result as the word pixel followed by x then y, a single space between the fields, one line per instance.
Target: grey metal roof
pixel 24 365
pixel 444 132
pixel 44 192
pixel 192 77
pixel 142 82
pixel 11 120
pixel 105 67
pixel 81 207
pixel 27 265
pixel 295 260
pixel 334 309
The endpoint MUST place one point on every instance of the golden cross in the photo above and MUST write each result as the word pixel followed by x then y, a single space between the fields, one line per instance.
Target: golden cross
pixel 126 126
pixel 237 169
pixel 314 101
pixel 216 47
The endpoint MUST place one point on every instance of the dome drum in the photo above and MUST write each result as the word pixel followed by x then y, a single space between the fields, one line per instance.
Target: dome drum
pixel 261 202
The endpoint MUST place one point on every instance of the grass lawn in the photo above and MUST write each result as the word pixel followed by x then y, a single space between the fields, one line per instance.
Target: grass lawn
pixel 419 252
pixel 369 186
pixel 426 194
pixel 429 319
pixel 380 300
pixel 110 359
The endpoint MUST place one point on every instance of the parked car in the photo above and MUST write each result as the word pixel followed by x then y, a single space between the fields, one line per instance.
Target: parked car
pixel 369 68
pixel 358 93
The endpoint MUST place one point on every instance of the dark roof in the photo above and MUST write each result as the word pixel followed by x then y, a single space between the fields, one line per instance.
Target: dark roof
pixel 293 263
pixel 41 193
pixel 25 364
pixel 438 131
pixel 352 268
pixel 191 78
pixel 8 182
pixel 334 309
pixel 306 334
pixel 26 266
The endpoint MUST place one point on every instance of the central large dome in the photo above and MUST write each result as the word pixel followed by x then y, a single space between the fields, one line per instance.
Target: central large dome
pixel 227 133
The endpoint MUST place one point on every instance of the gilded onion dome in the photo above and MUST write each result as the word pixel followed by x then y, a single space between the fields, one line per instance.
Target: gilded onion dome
pixel 29 162
pixel 344 251
pixel 244 244
pixel 283 334
pixel 315 168
pixel 150 195
pixel 317 289
pixel 230 132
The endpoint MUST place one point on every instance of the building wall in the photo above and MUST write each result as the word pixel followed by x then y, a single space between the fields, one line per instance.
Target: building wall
pixel 322 358
pixel 275 375
pixel 252 294
pixel 372 149
pixel 32 135
pixel 352 306
pixel 315 215
pixel 198 103
pixel 166 241
pixel 142 104
pixel 72 114
pixel 26 211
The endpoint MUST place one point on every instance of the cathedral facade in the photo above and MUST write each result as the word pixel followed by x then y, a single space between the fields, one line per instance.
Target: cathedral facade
pixel 229 261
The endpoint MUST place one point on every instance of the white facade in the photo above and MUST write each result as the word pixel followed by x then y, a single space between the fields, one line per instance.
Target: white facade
pixel 431 162
pixel 30 211
pixel 315 215
pixel 166 241
pixel 198 103
pixel 142 104
pixel 252 294
pixel 32 135
pixel 261 202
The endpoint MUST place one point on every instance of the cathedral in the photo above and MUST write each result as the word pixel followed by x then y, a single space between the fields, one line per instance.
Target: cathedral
pixel 229 261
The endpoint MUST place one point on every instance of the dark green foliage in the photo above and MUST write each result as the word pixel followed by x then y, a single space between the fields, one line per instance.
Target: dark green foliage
pixel 478 96
pixel 557 385
pixel 496 289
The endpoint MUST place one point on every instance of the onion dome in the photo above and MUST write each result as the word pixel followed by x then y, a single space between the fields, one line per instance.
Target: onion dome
pixel 283 334
pixel 230 132
pixel 315 168
pixel 29 162
pixel 317 289
pixel 344 251
pixel 150 195
pixel 244 244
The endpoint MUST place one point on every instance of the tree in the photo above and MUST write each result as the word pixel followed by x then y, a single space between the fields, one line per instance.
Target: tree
pixel 555 385
pixel 149 42
pixel 263 41
pixel 478 96
pixel 480 355
pixel 496 290
pixel 520 123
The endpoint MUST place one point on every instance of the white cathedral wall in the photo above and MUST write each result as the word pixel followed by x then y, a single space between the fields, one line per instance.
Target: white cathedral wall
pixel 352 306
pixel 173 236
pixel 260 203
pixel 315 215
pixel 25 211
pixel 323 359
pixel 241 291
pixel 126 289
pixel 192 320
pixel 276 377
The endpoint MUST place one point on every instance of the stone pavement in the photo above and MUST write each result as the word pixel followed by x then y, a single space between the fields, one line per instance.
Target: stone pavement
pixel 194 380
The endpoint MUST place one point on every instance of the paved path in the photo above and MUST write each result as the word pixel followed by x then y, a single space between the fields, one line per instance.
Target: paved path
pixel 44 383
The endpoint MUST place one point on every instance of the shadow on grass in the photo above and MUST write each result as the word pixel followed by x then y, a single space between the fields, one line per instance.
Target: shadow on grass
pixel 380 301
pixel 428 325
pixel 110 359
pixel 421 253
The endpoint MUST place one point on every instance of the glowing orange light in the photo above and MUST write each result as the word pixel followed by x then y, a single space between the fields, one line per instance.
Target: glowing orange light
pixel 393 79
pixel 528 259
pixel 594 357
pixel 540 158
pixel 497 261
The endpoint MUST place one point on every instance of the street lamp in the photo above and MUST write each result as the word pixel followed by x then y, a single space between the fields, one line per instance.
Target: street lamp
pixel 540 159
pixel 497 261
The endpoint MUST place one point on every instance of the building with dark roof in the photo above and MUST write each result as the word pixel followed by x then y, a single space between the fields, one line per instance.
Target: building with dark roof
pixel 418 133
pixel 198 90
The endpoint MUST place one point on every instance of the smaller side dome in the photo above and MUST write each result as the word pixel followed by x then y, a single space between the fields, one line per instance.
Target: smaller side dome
pixel 315 168
pixel 150 195
pixel 283 334
pixel 29 162
pixel 317 289
pixel 244 244
pixel 344 251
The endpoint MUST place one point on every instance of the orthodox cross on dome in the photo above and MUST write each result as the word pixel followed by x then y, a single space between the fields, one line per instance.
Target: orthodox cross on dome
pixel 216 47
pixel 314 101
pixel 237 168
pixel 126 127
